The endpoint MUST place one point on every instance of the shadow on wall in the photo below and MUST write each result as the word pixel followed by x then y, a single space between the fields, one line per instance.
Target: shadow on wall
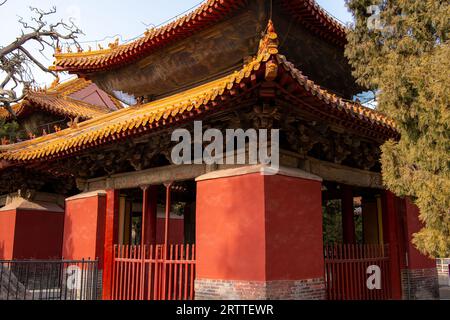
pixel 2 250
pixel 67 245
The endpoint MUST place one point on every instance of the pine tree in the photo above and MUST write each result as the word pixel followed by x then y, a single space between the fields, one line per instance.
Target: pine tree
pixel 8 131
pixel 402 51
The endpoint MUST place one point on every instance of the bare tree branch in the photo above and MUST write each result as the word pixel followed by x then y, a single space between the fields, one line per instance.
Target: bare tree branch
pixel 17 62
pixel 35 61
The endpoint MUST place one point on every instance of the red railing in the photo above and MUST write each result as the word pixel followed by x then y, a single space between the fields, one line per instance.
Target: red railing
pixel 153 272
pixel 346 271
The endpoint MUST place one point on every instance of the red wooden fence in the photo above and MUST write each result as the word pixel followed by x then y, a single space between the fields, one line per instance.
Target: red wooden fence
pixel 153 272
pixel 346 271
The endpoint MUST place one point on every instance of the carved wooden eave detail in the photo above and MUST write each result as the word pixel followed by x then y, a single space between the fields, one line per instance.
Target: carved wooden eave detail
pixel 130 154
pixel 29 181
pixel 212 39
pixel 314 123
pixel 263 116
pixel 336 147
pixel 326 170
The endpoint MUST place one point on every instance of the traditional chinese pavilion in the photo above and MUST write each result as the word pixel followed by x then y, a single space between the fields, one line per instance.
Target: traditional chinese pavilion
pixel 30 216
pixel 166 231
pixel 47 110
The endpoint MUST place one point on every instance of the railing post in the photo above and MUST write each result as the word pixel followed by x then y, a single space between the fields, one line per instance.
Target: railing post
pixel 49 279
pixel 148 230
pixel 145 208
pixel 166 236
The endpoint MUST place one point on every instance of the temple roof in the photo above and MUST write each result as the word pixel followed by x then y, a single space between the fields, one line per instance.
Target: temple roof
pixel 65 99
pixel 268 66
pixel 307 12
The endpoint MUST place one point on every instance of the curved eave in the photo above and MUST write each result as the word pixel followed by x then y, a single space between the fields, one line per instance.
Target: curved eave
pixel 56 100
pixel 187 106
pixel 349 112
pixel 316 19
pixel 63 106
pixel 135 120
pixel 307 12
pixel 19 109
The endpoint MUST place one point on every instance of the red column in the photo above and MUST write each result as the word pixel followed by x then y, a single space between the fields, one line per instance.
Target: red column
pixel 259 236
pixel 422 281
pixel 111 237
pixel 149 210
pixel 167 218
pixel 348 220
pixel 391 236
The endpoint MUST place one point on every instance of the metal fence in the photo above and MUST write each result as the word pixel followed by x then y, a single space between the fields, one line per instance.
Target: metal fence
pixel 154 272
pixel 442 266
pixel 48 280
pixel 346 268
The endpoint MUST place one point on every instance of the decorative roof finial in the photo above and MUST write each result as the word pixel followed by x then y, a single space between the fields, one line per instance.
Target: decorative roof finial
pixel 269 42
pixel 270 27
pixel 73 123
pixel 114 44
pixel 268 46
pixel 149 31
pixel 55 82
pixel 4 141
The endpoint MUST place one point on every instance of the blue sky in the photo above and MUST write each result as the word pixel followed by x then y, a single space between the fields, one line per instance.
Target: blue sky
pixel 108 18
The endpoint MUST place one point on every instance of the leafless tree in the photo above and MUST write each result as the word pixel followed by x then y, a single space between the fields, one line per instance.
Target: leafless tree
pixel 17 63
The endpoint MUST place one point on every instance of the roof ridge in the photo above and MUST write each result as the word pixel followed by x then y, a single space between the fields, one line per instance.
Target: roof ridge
pixel 61 104
pixel 71 86
pixel 332 98
pixel 148 34
pixel 158 113
pixel 18 108
pixel 204 15
pixel 152 110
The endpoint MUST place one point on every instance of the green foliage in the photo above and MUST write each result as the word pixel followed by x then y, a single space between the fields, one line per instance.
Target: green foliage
pixel 8 130
pixel 332 223
pixel 408 62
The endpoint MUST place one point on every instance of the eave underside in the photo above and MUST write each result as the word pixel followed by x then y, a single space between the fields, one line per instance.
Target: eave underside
pixel 269 92
pixel 211 12
pixel 216 45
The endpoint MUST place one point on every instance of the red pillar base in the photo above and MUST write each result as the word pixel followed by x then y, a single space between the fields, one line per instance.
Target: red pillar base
pixel 420 284
pixel 84 229
pixel 259 236
pixel 311 289
pixel 419 278
pixel 31 229
pixel 84 226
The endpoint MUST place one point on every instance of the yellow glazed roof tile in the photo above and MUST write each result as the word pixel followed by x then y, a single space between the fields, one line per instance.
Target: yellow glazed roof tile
pixel 118 121
pixel 56 99
pixel 207 14
pixel 112 126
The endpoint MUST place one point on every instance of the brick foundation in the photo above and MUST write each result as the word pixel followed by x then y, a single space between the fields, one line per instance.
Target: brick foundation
pixel 420 284
pixel 312 289
pixel 100 285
